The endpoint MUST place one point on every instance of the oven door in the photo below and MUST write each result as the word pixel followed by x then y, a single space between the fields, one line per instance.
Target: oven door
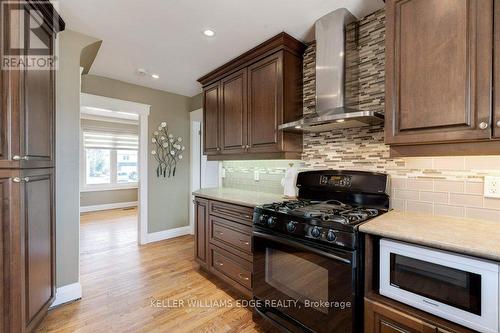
pixel 303 287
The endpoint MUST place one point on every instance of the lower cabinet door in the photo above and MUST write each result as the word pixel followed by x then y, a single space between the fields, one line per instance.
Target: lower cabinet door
pixel 39 243
pixel 201 232
pixel 380 318
pixel 27 248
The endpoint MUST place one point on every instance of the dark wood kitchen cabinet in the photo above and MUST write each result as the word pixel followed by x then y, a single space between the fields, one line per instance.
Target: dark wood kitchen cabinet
pixel 496 77
pixel 27 149
pixel 248 98
pixel 28 247
pixel 439 64
pixel 380 318
pixel 200 232
pixel 28 102
pixel 233 113
pixel 223 242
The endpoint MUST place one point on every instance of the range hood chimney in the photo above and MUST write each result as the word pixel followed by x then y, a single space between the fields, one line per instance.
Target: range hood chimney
pixel 331 112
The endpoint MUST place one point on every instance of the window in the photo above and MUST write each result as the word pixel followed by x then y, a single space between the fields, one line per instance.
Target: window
pixel 111 159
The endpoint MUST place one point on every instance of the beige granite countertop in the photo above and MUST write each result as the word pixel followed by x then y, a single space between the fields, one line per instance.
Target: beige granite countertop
pixel 477 238
pixel 238 197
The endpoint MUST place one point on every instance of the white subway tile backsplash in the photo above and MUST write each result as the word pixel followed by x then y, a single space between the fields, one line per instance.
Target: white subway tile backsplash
pixel 419 207
pixel 398 204
pixel 420 184
pixel 399 183
pixel 406 194
pixel 447 210
pixel 483 214
pixel 482 162
pixel 467 200
pixel 474 188
pixel 449 163
pixel 449 186
pixel 438 197
pixel 492 203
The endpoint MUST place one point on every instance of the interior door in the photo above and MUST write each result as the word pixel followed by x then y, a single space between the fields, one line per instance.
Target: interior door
pixel 265 104
pixel 438 70
pixel 211 119
pixel 39 243
pixel 234 113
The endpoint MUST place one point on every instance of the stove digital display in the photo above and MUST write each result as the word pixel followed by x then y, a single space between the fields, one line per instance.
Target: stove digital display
pixel 337 181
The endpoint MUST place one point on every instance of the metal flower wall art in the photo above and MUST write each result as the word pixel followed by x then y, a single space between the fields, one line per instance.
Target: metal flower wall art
pixel 168 151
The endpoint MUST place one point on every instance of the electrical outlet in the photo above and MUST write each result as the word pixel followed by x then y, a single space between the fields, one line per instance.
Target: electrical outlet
pixel 256 175
pixel 492 187
pixel 223 173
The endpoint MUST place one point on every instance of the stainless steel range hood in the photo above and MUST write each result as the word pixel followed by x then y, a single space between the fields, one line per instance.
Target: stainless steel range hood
pixel 330 81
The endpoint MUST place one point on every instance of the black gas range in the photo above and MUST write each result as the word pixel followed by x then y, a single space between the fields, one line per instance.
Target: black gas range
pixel 308 254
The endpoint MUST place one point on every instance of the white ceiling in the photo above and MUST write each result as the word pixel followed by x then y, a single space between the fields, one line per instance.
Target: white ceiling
pixel 165 36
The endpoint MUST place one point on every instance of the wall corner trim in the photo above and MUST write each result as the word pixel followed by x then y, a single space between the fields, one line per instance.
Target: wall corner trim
pixel 170 233
pixel 67 293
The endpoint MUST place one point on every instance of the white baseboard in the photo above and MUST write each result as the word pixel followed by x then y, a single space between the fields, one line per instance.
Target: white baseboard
pixel 68 293
pixel 118 205
pixel 166 234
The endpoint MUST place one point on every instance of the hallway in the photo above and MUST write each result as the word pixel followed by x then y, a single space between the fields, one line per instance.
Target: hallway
pixel 120 279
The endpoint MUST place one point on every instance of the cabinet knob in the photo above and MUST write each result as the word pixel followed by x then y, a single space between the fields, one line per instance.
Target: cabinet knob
pixel 16 180
pixel 483 125
pixel 247 146
pixel 218 148
pixel 498 124
pixel 243 277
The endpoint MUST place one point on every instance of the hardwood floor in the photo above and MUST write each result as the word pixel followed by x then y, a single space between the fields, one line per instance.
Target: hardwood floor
pixel 121 280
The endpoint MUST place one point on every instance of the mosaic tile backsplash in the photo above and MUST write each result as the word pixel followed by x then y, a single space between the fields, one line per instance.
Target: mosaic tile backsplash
pixel 451 186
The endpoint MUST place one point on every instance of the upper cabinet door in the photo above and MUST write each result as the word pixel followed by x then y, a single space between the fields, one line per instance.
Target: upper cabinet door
pixel 28 107
pixel 211 119
pixel 234 113
pixel 39 112
pixel 438 70
pixel 265 104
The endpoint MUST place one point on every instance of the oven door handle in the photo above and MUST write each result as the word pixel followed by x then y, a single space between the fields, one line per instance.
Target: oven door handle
pixel 301 246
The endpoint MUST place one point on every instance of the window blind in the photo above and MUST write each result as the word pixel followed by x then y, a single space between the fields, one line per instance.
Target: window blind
pixel 110 140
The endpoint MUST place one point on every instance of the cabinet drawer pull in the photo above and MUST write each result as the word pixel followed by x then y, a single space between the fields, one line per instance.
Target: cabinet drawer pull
pixel 483 125
pixel 21 180
pixel 218 263
pixel 219 233
pixel 244 242
pixel 498 124
pixel 18 158
pixel 243 277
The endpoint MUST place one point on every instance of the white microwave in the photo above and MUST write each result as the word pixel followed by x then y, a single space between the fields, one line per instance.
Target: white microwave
pixel 459 288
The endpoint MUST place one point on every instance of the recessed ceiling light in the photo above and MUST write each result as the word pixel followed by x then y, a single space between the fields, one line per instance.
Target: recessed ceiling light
pixel 155 76
pixel 209 33
pixel 298 127
pixel 340 120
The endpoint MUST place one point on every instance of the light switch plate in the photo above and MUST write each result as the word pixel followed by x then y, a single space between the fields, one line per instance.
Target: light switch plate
pixel 492 187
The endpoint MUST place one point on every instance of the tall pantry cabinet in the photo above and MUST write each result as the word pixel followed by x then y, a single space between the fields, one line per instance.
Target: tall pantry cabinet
pixel 27 170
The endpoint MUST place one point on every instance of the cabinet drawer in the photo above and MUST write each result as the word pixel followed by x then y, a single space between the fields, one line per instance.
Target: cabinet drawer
pixel 224 233
pixel 237 269
pixel 232 212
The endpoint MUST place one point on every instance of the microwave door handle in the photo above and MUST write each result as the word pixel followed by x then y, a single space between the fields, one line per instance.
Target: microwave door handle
pixel 301 246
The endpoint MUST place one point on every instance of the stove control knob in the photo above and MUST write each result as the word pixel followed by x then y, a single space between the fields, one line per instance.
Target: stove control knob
pixel 262 218
pixel 316 232
pixel 330 236
pixel 291 226
pixel 271 221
